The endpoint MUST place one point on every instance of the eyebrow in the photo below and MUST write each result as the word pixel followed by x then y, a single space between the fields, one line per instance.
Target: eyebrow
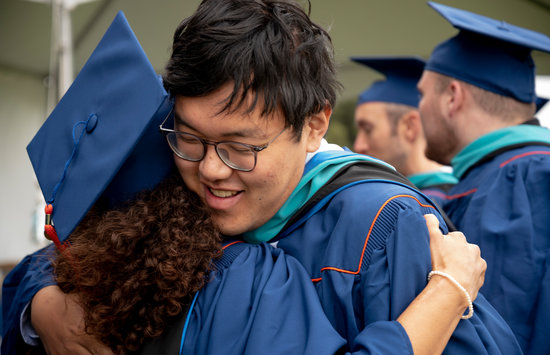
pixel 362 123
pixel 243 133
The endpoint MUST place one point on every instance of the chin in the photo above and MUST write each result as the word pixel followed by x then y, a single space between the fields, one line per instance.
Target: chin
pixel 227 229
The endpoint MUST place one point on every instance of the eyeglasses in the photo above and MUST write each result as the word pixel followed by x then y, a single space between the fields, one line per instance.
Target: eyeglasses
pixel 237 156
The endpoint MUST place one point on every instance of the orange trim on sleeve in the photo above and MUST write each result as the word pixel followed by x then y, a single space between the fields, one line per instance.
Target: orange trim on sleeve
pixel 230 244
pixel 368 236
pixel 523 155
pixel 435 193
pixel 469 192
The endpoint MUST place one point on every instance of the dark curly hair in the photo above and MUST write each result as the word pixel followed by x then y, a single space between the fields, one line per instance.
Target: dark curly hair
pixel 267 48
pixel 134 268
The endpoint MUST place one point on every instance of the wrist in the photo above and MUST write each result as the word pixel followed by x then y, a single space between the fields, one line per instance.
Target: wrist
pixel 456 293
pixel 446 290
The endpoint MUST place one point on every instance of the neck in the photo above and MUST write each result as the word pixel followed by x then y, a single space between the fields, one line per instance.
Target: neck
pixel 481 124
pixel 419 164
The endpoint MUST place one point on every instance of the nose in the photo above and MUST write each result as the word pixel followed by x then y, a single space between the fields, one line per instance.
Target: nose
pixel 212 168
pixel 361 145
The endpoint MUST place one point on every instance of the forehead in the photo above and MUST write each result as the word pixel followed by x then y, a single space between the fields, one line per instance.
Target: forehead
pixel 426 80
pixel 206 115
pixel 371 112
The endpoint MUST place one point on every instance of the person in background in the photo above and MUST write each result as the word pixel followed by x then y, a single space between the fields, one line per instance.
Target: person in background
pixel 389 126
pixel 477 106
pixel 254 83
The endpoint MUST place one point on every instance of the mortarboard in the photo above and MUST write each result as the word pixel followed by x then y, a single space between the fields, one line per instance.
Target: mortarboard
pixel 101 142
pixel 489 54
pixel 402 75
pixel 540 102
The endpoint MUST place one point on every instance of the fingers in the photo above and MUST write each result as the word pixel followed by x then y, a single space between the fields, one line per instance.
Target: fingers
pixel 457 235
pixel 433 223
pixel 481 267
pixel 433 229
pixel 453 254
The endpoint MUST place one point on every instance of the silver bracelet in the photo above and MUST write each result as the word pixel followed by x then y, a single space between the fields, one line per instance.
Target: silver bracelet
pixel 452 279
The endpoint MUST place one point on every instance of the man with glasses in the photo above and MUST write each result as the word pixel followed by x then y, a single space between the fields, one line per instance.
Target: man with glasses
pixel 262 74
pixel 238 156
pixel 254 84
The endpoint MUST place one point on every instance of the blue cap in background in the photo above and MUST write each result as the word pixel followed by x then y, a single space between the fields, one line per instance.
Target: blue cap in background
pixel 399 87
pixel 489 54
pixel 540 102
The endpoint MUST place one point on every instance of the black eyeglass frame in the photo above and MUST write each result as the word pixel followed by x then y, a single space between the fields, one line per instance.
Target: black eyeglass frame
pixel 253 148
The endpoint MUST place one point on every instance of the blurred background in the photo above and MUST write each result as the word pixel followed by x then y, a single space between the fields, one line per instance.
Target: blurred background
pixel 44 43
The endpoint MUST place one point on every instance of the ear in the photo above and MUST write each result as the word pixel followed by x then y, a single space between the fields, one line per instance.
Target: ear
pixel 455 98
pixel 316 127
pixel 411 125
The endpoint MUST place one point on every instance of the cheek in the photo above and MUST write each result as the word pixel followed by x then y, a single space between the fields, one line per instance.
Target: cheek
pixel 280 177
pixel 276 188
pixel 279 170
pixel 379 137
pixel 189 173
pixel 273 177
pixel 426 101
pixel 422 105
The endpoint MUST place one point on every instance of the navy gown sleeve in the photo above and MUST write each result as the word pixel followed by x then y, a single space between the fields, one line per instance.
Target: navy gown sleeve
pixel 369 258
pixel 33 273
pixel 397 272
pixel 263 303
pixel 504 207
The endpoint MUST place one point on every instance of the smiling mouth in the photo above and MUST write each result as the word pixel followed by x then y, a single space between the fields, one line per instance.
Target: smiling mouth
pixel 223 193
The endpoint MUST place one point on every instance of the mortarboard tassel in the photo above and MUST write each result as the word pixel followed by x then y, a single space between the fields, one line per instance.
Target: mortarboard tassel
pixel 49 229
pixel 51 234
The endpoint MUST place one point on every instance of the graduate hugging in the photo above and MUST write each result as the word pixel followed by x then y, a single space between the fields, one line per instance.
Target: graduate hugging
pixel 204 213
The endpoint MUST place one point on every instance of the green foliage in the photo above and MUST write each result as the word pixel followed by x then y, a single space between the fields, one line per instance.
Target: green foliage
pixel 342 129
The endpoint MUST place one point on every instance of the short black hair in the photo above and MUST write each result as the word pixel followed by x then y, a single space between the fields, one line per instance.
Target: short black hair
pixel 268 48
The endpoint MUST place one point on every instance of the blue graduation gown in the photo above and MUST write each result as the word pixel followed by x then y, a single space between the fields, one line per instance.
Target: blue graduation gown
pixel 257 301
pixel 502 203
pixel 263 302
pixel 365 277
pixel 32 273
pixel 434 184
pixel 367 249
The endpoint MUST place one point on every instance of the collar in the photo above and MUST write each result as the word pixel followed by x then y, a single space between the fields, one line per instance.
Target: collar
pixel 476 151
pixel 319 169
pixel 432 178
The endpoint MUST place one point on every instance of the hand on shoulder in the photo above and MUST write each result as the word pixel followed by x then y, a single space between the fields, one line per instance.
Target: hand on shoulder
pixel 59 321
pixel 453 255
